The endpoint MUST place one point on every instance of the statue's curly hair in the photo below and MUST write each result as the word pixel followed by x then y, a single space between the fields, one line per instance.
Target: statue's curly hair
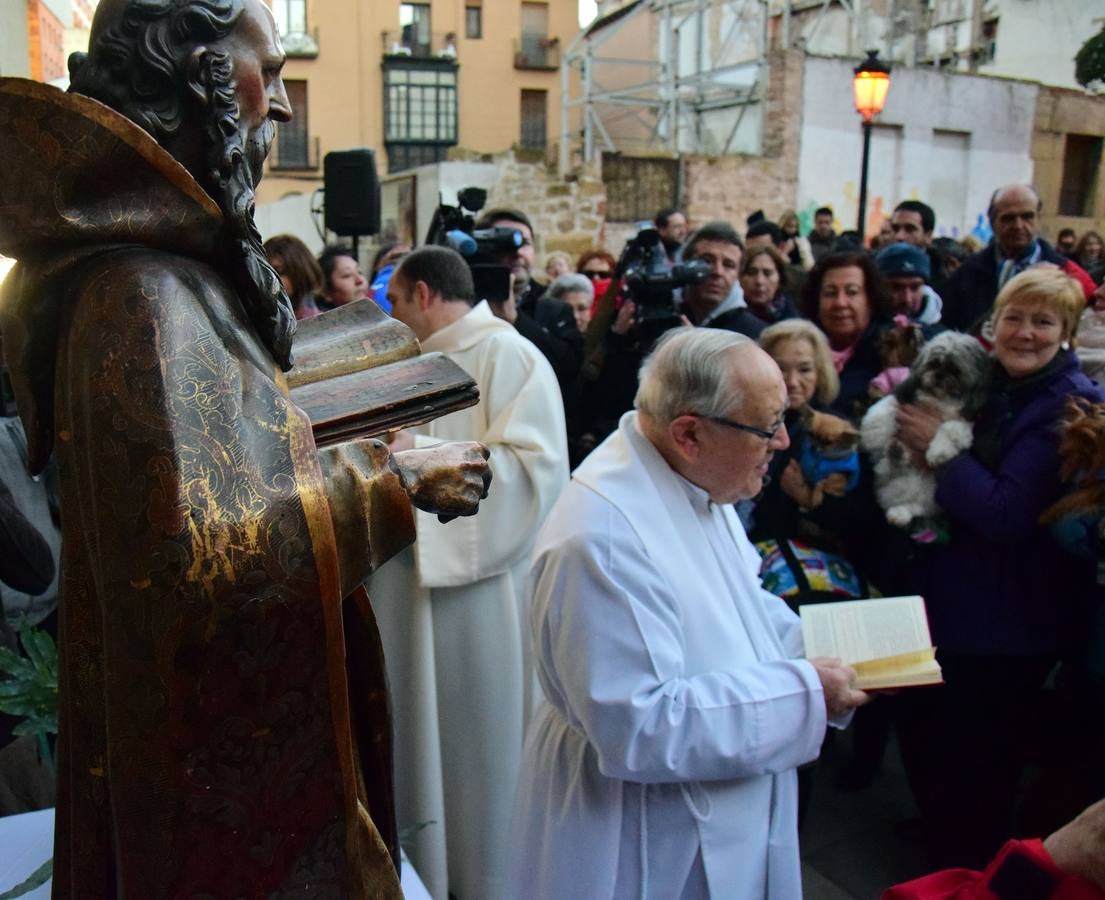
pixel 138 64
pixel 142 65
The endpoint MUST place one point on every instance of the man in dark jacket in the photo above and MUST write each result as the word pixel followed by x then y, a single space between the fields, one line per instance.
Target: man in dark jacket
pixel 907 271
pixel 717 301
pixel 822 238
pixel 1016 246
pixel 549 324
pixel 672 225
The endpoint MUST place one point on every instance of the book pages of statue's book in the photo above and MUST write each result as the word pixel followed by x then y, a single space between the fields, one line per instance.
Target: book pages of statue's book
pixel 360 373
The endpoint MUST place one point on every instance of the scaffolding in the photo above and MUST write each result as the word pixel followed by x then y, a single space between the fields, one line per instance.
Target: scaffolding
pixel 700 87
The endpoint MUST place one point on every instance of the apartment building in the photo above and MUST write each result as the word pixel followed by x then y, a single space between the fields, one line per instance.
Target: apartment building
pixel 412 80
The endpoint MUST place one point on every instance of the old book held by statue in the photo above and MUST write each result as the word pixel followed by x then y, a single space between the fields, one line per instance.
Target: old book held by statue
pixel 358 373
pixel 223 712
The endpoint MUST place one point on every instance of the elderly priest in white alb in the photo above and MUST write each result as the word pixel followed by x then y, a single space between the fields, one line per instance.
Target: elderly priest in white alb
pixel 662 762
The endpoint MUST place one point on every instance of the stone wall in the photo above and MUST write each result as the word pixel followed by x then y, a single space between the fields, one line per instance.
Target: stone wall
pixel 730 188
pixel 567 214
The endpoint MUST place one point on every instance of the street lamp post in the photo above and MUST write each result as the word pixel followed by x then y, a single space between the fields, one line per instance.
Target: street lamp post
pixel 870 83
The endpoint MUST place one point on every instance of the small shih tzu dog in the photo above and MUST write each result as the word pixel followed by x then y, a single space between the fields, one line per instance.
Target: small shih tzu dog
pixel 949 376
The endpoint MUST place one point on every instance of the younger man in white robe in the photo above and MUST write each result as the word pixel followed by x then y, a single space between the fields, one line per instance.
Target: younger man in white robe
pixel 662 764
pixel 449 607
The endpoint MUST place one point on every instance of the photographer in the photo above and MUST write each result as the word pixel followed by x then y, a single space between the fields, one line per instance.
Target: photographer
pixel 718 300
pixel 713 299
pixel 549 324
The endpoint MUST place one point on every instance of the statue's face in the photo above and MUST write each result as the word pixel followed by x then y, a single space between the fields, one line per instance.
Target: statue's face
pixel 258 57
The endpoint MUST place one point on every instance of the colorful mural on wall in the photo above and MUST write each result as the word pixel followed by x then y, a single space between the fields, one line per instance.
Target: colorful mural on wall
pixel 879 212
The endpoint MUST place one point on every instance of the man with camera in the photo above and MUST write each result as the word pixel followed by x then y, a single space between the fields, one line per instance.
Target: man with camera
pixel 717 301
pixel 449 607
pixel 549 324
pixel 713 299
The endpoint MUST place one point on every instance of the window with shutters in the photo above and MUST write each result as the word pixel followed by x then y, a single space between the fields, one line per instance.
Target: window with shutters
pixel 534 118
pixel 294 147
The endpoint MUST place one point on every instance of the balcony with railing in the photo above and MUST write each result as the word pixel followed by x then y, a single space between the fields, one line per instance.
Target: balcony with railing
pixel 411 43
pixel 537 52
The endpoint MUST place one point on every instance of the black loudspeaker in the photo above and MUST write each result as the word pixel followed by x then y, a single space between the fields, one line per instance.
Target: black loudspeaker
pixel 352 201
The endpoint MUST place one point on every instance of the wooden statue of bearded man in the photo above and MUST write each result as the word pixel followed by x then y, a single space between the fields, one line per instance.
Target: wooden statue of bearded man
pixel 217 693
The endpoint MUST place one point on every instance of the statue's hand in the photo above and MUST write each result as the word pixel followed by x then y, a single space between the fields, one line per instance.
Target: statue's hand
pixel 449 480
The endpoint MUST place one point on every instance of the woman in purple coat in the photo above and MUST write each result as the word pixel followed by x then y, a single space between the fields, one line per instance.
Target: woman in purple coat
pixel 1004 601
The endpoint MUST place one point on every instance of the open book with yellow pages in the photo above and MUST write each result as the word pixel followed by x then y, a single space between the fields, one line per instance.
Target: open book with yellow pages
pixel 885 639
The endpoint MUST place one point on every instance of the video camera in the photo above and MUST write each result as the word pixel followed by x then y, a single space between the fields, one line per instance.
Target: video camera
pixel 482 248
pixel 650 281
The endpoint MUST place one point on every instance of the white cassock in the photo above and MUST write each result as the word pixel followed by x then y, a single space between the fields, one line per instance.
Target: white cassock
pixel 661 765
pixel 449 611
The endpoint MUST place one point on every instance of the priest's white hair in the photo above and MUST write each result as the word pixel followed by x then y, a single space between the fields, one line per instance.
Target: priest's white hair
pixel 687 372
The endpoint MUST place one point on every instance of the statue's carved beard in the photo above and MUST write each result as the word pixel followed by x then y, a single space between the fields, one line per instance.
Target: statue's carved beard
pixel 236 159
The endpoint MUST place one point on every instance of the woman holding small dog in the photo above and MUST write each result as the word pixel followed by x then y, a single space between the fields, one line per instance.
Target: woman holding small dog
pixel 805 487
pixel 1002 598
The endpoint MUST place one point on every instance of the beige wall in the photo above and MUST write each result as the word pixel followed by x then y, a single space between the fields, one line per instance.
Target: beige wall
pixel 345 81
pixel 1060 112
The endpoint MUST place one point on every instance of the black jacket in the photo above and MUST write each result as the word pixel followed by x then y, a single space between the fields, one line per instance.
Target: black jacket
pixel 551 326
pixel 863 365
pixel 970 292
pixel 745 321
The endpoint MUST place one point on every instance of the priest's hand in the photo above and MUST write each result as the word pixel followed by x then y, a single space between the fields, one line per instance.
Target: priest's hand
pixel 837 682
pixel 449 480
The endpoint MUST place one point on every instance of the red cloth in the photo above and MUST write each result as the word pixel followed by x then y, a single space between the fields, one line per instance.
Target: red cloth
pixel 965 884
pixel 1080 275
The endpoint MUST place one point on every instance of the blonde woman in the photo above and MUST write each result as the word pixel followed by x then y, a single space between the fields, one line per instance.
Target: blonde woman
pixel 1004 602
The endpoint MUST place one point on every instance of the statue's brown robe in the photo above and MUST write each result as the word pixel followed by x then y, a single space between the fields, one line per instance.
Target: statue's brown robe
pixel 212 680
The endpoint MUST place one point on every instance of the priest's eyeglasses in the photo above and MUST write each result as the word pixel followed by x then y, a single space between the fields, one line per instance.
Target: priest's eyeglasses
pixel 767 435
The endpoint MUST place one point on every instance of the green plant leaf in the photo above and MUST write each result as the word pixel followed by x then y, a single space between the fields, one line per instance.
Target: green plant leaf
pixel 31 689
pixel 16 666
pixel 39 649
pixel 37 878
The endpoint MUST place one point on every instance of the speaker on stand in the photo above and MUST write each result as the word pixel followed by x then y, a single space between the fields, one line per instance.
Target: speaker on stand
pixel 352 193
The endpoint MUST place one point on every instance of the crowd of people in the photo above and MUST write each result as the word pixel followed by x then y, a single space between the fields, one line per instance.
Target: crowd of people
pixel 1013 739
pixel 598 681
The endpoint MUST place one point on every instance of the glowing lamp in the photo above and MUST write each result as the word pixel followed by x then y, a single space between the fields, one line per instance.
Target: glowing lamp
pixel 871 83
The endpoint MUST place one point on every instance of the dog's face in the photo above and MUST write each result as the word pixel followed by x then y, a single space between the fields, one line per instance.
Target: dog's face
pixel 831 432
pixel 951 367
pixel 900 345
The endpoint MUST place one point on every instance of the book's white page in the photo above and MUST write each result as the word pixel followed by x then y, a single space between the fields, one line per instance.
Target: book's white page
pixel 858 630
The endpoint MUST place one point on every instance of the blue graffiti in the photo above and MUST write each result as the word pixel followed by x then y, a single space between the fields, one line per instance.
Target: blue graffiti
pixel 982 229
